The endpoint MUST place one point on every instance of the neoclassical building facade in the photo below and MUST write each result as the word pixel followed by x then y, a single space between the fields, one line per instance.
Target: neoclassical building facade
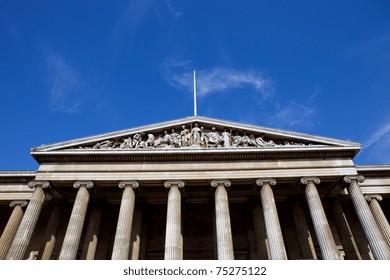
pixel 196 188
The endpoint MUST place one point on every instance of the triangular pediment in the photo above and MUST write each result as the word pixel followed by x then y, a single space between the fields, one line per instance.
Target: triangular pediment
pixel 195 133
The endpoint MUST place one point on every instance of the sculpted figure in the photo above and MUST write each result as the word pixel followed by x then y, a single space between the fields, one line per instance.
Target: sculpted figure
pixel 252 140
pixel 245 140
pixel 260 142
pixel 166 139
pixel 150 141
pixel 127 143
pixel 236 141
pixel 175 139
pixel 185 136
pixel 137 138
pixel 103 145
pixel 212 138
pixel 196 134
pixel 226 138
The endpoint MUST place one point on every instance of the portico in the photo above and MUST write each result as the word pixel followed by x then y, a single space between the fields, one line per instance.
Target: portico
pixel 224 191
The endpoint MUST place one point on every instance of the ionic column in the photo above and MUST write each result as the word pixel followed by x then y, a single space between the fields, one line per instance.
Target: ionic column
pixel 321 226
pixel 76 222
pixel 271 219
pixel 50 237
pixel 135 240
pixel 11 227
pixel 379 247
pixel 303 232
pixel 92 234
pixel 173 237
pixel 222 220
pixel 29 221
pixel 379 216
pixel 123 230
pixel 347 240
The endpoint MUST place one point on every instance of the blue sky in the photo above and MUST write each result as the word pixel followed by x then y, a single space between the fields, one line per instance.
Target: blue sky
pixel 70 69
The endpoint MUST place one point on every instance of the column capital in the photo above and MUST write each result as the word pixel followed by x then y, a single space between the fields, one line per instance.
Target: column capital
pixel 224 182
pixel 87 184
pixel 22 203
pixel 370 197
pixel 42 184
pixel 349 179
pixel 134 184
pixel 262 181
pixel 306 180
pixel 172 183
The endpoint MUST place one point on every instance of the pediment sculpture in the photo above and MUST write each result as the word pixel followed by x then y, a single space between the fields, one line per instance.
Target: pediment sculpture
pixel 195 137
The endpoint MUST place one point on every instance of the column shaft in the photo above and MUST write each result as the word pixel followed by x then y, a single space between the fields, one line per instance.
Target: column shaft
pixel 173 237
pixel 11 228
pixel 222 220
pixel 347 239
pixel 92 234
pixel 379 247
pixel 303 232
pixel 379 216
pixel 76 222
pixel 50 237
pixel 27 225
pixel 135 241
pixel 271 219
pixel 321 226
pixel 123 230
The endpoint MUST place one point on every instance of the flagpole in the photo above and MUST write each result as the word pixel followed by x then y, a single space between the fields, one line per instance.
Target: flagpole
pixel 195 93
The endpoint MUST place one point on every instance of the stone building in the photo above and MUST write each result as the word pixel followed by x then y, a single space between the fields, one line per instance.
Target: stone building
pixel 196 188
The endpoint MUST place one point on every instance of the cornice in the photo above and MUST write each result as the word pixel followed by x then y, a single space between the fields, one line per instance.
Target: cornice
pixel 17 176
pixel 195 154
pixel 374 170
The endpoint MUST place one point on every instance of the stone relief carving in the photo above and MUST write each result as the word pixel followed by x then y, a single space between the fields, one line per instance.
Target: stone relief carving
pixel 196 137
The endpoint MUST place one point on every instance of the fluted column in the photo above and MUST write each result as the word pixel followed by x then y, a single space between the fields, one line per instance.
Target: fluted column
pixel 29 221
pixel 222 220
pixel 271 219
pixel 379 247
pixel 135 241
pixel 321 226
pixel 123 230
pixel 173 237
pixel 92 234
pixel 303 232
pixel 379 216
pixel 347 239
pixel 76 222
pixel 50 237
pixel 12 226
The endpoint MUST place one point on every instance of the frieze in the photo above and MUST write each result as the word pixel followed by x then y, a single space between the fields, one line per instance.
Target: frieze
pixel 195 137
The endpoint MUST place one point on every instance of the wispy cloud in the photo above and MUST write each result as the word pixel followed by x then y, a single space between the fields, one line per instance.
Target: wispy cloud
pixel 215 80
pixel 382 132
pixel 131 18
pixel 67 88
pixel 292 114
pixel 173 10
pixel 378 142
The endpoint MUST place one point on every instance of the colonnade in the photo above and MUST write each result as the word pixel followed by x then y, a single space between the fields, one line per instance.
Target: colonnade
pixel 20 227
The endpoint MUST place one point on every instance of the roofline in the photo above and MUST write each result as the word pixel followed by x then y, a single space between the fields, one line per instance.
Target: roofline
pixel 191 119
